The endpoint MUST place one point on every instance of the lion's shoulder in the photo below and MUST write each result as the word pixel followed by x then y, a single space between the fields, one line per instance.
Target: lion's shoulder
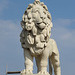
pixel 53 45
pixel 51 42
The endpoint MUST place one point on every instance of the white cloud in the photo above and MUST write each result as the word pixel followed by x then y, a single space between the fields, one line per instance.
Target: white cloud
pixel 63 33
pixel 64 22
pixel 66 36
pixel 9 32
pixel 9 29
pixel 63 28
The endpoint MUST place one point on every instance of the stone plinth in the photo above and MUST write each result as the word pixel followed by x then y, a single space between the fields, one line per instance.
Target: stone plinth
pixel 35 74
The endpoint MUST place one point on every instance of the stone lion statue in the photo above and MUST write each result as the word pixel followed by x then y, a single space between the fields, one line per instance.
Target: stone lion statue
pixel 36 41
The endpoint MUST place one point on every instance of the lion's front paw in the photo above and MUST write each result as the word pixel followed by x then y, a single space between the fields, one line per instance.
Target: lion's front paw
pixel 26 72
pixel 22 72
pixel 43 73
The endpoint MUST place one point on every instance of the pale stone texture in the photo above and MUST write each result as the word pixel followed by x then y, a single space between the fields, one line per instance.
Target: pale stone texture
pixel 36 41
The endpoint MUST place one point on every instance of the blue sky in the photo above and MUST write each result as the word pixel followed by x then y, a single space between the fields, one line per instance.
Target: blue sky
pixel 63 31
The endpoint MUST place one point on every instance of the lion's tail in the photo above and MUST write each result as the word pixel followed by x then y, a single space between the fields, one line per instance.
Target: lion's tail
pixel 50 67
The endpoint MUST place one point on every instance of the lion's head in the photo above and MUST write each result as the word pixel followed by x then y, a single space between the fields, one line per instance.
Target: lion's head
pixel 36 24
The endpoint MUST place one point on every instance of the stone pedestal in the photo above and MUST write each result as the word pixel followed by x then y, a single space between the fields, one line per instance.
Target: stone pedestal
pixel 34 74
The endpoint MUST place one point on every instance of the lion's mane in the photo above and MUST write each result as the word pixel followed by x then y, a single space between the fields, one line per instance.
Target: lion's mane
pixel 36 24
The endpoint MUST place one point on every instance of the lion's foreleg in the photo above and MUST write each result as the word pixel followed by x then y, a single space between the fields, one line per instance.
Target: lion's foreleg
pixel 38 59
pixel 28 61
pixel 50 66
pixel 44 61
pixel 56 64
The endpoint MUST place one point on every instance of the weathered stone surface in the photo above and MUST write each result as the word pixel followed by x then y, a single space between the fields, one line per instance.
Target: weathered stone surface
pixel 36 42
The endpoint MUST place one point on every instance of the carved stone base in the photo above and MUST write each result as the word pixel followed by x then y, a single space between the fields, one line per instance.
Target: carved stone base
pixel 29 72
pixel 23 73
pixel 34 74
